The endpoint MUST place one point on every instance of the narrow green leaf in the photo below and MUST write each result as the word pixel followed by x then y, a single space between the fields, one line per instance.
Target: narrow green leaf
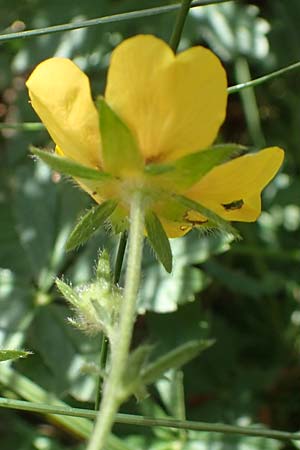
pixel 6 355
pixel 159 240
pixel 191 168
pixel 174 359
pixel 90 223
pixel 213 218
pixel 119 147
pixel 132 379
pixel 68 167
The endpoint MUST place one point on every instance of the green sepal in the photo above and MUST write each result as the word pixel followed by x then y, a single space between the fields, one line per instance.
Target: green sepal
pixel 159 240
pixel 158 169
pixel 89 223
pixel 214 220
pixel 68 292
pixel 95 304
pixel 174 359
pixel 7 355
pixel 120 151
pixel 187 171
pixel 69 167
pixel 103 269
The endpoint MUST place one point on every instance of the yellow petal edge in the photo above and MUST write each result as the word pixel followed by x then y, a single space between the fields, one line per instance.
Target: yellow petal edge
pixel 60 94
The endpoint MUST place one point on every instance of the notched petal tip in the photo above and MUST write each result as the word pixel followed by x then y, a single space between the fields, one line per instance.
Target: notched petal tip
pixel 174 104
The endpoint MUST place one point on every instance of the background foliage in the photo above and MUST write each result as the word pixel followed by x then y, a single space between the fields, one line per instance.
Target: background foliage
pixel 246 294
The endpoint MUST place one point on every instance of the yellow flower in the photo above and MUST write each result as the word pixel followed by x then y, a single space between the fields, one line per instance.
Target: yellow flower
pixel 173 106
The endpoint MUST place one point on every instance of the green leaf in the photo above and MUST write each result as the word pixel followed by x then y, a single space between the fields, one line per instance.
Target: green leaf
pixel 119 147
pixel 6 355
pixel 214 219
pixel 89 223
pixel 174 359
pixel 191 168
pixel 69 167
pixel 159 240
pixel 187 279
pixel 132 378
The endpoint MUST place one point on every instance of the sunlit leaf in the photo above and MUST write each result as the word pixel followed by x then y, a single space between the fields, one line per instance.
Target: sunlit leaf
pixel 174 359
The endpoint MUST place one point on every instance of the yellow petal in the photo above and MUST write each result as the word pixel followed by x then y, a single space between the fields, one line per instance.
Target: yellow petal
pixel 233 190
pixel 174 104
pixel 60 94
pixel 174 229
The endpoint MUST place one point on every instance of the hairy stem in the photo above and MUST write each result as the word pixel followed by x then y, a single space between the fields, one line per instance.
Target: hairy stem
pixel 112 397
pixel 104 340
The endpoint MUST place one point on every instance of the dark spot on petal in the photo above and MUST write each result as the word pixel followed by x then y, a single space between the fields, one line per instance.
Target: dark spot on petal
pixel 194 223
pixel 183 227
pixel 94 193
pixel 197 223
pixel 236 204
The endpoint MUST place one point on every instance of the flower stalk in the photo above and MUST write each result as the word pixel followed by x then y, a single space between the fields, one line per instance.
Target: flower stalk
pixel 112 397
pixel 104 341
pixel 179 24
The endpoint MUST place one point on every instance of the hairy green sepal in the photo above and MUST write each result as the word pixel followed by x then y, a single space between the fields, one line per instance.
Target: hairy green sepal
pixel 119 147
pixel 187 171
pixel 89 223
pixel 159 240
pixel 69 167
pixel 214 220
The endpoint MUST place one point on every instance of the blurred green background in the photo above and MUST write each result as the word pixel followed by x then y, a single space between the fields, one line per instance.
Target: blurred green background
pixel 244 294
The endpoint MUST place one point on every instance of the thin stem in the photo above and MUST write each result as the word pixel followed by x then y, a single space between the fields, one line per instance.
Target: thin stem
pixel 130 419
pixel 179 24
pixel 104 340
pixel 102 20
pixel 263 79
pixel 28 126
pixel 112 393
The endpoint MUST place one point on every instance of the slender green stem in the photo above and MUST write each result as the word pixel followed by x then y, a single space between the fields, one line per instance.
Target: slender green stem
pixel 242 75
pixel 112 392
pixel 179 24
pixel 102 20
pixel 130 419
pixel 263 79
pixel 29 126
pixel 104 340
pixel 22 386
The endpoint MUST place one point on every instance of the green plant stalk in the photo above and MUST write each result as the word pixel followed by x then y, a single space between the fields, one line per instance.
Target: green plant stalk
pixel 22 386
pixel 242 75
pixel 112 392
pixel 131 419
pixel 179 24
pixel 263 79
pixel 102 20
pixel 104 340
